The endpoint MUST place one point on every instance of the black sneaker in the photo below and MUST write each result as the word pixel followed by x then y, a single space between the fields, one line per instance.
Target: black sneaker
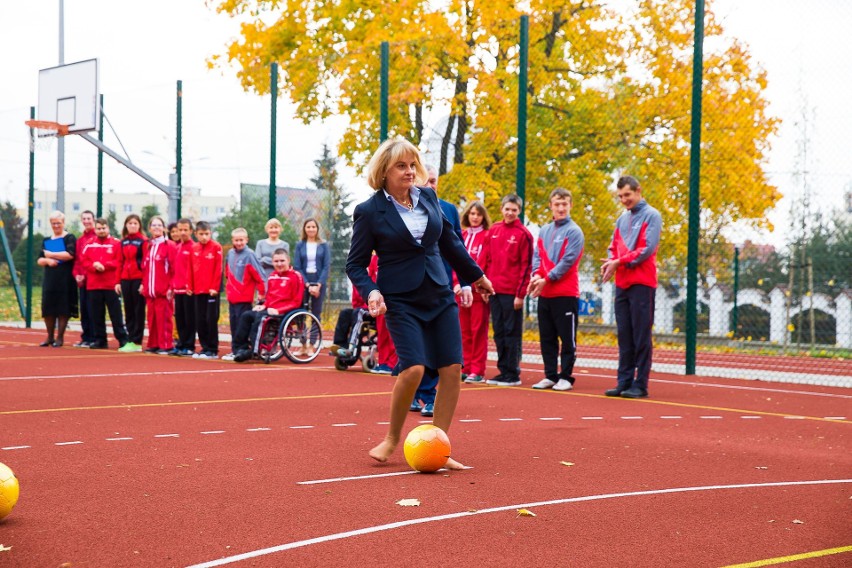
pixel 98 346
pixel 83 344
pixel 635 392
pixel 505 381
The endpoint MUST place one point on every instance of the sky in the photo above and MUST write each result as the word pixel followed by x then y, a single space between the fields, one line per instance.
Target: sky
pixel 144 48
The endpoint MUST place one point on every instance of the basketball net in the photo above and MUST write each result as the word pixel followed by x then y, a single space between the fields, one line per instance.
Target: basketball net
pixel 43 133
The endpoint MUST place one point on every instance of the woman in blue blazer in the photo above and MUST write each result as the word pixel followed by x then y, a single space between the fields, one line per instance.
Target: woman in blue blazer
pixel 313 260
pixel 403 223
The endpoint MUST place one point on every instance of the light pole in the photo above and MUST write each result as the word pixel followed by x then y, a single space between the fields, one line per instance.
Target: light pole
pixel 174 195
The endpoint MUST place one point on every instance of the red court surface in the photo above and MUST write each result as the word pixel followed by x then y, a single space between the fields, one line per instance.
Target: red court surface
pixel 146 460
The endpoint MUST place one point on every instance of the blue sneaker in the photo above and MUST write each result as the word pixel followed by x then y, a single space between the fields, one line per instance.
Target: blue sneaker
pixel 382 370
pixel 428 409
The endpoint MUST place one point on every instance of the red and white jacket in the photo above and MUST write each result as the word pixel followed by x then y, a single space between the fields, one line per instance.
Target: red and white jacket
pixel 477 241
pixel 183 260
pixel 78 268
pixel 205 272
pixel 284 291
pixel 158 268
pixel 107 251
pixel 132 253
pixel 509 263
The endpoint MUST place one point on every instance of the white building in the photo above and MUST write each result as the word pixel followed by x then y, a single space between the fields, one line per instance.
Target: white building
pixel 193 205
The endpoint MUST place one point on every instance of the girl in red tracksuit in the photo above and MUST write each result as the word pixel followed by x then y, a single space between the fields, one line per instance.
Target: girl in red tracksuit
pixel 133 242
pixel 476 223
pixel 157 271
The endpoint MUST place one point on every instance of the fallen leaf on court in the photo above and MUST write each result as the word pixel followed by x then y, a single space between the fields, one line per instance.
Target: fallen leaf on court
pixel 408 502
pixel 567 463
pixel 771 521
pixel 5 548
pixel 761 467
pixel 798 522
pixel 525 513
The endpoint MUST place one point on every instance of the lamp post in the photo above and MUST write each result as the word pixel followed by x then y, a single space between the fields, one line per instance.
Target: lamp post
pixel 174 195
pixel 734 312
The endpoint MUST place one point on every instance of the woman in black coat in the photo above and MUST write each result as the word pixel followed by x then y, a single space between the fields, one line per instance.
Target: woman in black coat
pixel 59 289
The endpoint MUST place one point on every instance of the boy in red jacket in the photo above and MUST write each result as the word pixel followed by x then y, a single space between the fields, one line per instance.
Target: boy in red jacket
pixel 243 275
pixel 184 302
pixel 101 260
pixel 285 288
pixel 205 282
pixel 509 265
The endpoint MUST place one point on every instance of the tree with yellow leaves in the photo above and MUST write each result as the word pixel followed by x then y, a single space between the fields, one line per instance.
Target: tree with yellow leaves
pixel 608 91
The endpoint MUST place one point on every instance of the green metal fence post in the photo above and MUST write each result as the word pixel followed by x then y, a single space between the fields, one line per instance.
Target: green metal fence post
pixel 273 139
pixel 30 223
pixel 99 206
pixel 521 166
pixel 179 150
pixel 734 312
pixel 383 110
pixel 694 194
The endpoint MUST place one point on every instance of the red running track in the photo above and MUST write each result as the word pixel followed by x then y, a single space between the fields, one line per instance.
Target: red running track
pixel 144 460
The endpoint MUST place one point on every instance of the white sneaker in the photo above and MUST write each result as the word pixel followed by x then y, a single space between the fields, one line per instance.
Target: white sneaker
pixel 228 357
pixel 563 385
pixel 545 383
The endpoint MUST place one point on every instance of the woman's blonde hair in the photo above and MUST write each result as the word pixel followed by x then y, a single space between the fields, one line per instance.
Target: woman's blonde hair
pixel 272 223
pixel 390 152
pixel 57 215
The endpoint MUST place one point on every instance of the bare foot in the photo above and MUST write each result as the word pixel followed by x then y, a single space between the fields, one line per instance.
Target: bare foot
pixel 453 464
pixel 382 452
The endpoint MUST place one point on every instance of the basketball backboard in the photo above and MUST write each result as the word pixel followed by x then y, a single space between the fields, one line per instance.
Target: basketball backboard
pixel 68 95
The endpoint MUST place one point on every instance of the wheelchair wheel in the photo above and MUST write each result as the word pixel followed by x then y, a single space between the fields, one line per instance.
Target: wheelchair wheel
pixel 301 337
pixel 368 358
pixel 340 364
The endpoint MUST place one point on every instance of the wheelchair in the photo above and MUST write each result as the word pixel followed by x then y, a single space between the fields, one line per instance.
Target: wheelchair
pixel 296 335
pixel 362 343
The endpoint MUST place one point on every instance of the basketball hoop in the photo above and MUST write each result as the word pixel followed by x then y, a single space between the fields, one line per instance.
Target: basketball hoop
pixel 43 133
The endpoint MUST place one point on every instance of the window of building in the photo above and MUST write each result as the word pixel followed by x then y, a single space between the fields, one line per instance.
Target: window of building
pixel 128 208
pixel 38 223
pixel 53 206
pixel 38 204
pixel 220 210
pixel 111 207
pixel 75 206
pixel 205 211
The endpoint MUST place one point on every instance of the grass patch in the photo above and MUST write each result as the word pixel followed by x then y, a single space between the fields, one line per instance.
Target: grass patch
pixel 9 310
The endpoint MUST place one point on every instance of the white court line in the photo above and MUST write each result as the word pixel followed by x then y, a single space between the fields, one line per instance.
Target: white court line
pixel 591 418
pixel 631 417
pixel 466 420
pixel 344 425
pixel 550 418
pixel 671 417
pixel 794 417
pixel 258 429
pixel 213 432
pixel 360 477
pixel 167 435
pixel 748 417
pixel 300 427
pixel 74 443
pixel 253 368
pixel 15 448
pixel 835 418
pixel 510 419
pixel 437 518
pixel 118 439
pixel 710 417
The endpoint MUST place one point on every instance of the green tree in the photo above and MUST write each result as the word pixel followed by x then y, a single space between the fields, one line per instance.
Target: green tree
pixel 148 212
pixel 609 92
pixel 252 214
pixel 20 259
pixel 13 224
pixel 113 230
pixel 337 223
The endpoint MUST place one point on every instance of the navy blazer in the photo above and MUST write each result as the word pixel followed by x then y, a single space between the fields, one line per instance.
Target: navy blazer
pixel 403 262
pixel 300 262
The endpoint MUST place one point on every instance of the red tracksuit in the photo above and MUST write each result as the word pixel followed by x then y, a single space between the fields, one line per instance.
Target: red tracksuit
pixel 157 273
pixel 82 241
pixel 284 291
pixel 474 320
pixel 510 258
pixel 385 352
pixel 107 251
pixel 205 276
pixel 133 251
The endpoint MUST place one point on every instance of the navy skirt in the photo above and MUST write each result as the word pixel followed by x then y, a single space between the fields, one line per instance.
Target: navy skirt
pixel 424 326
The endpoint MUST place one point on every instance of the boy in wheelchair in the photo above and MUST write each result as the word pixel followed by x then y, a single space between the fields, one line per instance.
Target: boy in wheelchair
pixel 284 291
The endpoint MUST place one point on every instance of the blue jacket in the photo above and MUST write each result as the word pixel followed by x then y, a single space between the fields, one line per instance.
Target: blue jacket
pixel 300 262
pixel 403 262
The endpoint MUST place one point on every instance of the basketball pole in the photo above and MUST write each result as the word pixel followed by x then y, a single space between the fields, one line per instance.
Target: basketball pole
pixel 30 212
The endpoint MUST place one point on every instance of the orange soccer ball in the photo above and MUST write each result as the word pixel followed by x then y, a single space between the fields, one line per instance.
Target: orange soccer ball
pixel 427 448
pixel 9 490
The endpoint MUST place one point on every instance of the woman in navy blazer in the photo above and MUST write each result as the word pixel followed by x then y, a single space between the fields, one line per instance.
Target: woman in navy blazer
pixel 313 260
pixel 404 225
